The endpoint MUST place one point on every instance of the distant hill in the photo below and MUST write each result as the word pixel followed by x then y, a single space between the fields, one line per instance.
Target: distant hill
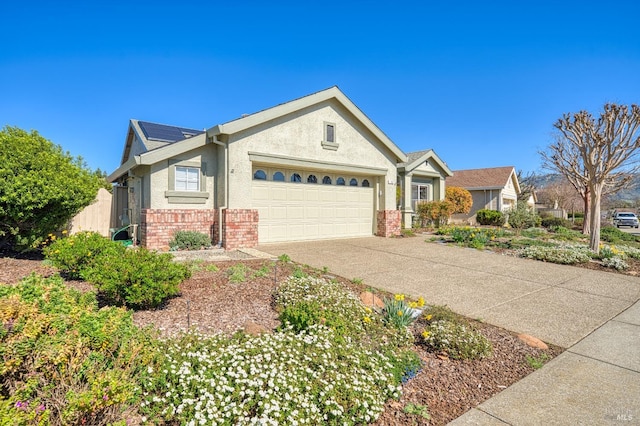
pixel 630 195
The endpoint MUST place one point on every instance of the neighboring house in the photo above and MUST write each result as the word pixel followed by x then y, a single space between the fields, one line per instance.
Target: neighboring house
pixel 421 178
pixel 313 168
pixel 494 188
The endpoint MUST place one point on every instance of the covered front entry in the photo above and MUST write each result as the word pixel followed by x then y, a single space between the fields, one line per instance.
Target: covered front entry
pixel 296 211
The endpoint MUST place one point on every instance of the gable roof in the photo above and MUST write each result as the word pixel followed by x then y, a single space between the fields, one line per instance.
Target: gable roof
pixel 162 141
pixel 154 136
pixel 491 178
pixel 277 111
pixel 414 159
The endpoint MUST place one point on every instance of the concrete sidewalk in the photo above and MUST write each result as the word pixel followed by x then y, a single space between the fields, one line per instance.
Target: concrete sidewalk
pixel 594 314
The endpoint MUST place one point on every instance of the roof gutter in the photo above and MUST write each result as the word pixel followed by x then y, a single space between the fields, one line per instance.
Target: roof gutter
pixel 124 168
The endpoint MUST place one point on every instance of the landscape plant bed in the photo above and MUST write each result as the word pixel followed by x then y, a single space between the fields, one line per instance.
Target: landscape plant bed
pixel 217 299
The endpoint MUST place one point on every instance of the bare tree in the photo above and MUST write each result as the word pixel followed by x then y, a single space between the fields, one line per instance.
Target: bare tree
pixel 527 185
pixel 596 156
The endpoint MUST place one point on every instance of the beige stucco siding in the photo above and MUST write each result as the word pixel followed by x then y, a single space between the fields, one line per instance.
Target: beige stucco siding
pixel 137 148
pixel 159 179
pixel 299 135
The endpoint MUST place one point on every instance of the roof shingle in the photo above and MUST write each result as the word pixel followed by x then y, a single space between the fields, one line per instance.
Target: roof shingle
pixel 495 177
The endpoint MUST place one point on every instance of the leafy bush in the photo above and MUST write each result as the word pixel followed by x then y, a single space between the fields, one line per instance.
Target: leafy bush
pixel 306 301
pixel 280 378
pixel 568 255
pixel 611 234
pixel 63 361
pixel 553 222
pixel 41 187
pixel 617 263
pixel 490 217
pixel 523 217
pixel 433 212
pixel 533 232
pixel 457 340
pixel 459 198
pixel 472 237
pixel 238 273
pixel 562 233
pixel 189 240
pixel 74 254
pixel 137 278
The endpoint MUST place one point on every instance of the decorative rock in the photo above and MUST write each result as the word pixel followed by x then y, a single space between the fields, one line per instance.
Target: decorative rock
pixel 370 299
pixel 534 342
pixel 255 329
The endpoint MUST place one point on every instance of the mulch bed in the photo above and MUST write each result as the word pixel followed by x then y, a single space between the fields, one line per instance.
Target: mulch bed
pixel 208 301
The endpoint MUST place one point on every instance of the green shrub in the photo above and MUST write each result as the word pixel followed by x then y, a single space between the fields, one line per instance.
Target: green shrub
pixel 565 234
pixel 306 301
pixel 74 254
pixel 533 232
pixel 553 222
pixel 490 217
pixel 611 234
pixel 137 278
pixel 457 340
pixel 568 255
pixel 41 187
pixel 433 212
pixel 63 360
pixel 189 240
pixel 523 217
pixel 238 273
pixel 617 263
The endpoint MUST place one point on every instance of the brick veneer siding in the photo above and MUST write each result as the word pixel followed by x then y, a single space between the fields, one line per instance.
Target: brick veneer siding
pixel 240 228
pixel 389 223
pixel 157 227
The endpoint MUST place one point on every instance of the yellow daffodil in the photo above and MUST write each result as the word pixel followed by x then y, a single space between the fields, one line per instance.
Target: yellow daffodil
pixel 399 297
pixel 400 313
pixel 426 334
pixel 367 319
pixel 428 317
pixel 64 232
pixel 367 310
pixel 420 302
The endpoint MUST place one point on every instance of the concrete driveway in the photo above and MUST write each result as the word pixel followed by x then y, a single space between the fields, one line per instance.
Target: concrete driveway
pixel 558 304
pixel 595 315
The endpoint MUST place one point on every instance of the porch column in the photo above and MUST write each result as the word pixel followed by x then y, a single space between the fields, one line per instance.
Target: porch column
pixel 406 208
pixel 439 189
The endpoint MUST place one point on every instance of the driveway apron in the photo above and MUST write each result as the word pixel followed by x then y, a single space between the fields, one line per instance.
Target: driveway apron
pixel 595 315
pixel 558 304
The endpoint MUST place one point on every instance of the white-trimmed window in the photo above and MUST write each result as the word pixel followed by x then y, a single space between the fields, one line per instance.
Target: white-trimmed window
pixel 420 193
pixel 187 178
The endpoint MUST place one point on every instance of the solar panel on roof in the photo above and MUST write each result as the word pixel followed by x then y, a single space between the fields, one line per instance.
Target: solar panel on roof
pixel 164 133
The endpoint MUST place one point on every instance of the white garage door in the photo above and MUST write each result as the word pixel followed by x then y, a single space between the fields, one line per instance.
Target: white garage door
pixel 297 211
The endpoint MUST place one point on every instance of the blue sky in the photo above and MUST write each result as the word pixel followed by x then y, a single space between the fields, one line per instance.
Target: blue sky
pixel 480 82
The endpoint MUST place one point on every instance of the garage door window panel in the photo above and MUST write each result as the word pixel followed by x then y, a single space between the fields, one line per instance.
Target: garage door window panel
pixel 278 177
pixel 260 175
pixel 312 179
pixel 326 180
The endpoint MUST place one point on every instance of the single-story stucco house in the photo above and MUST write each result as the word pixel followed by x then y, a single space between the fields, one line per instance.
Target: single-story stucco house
pixel 313 168
pixel 495 188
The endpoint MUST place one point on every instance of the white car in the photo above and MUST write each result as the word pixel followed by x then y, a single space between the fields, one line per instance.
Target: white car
pixel 625 219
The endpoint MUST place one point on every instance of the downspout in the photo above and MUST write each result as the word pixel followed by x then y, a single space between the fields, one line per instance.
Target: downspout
pixel 215 140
